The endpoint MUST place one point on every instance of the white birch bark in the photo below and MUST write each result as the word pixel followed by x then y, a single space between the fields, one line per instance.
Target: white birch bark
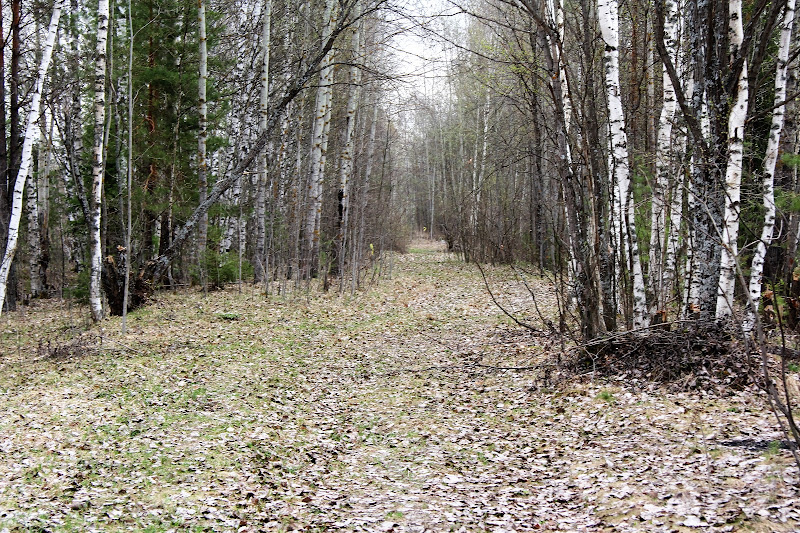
pixel 670 274
pixel 693 283
pixel 27 152
pixel 357 249
pixel 733 171
pixel 555 14
pixel 479 160
pixel 607 15
pixel 348 148
pixel 34 229
pixel 202 138
pixel 658 281
pixel 770 160
pixel 263 179
pixel 319 148
pixel 98 152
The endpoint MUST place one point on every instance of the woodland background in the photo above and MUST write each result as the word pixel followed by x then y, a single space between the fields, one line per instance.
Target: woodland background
pixel 642 155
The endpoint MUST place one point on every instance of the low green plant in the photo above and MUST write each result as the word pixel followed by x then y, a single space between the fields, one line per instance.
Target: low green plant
pixel 773 448
pixel 606 396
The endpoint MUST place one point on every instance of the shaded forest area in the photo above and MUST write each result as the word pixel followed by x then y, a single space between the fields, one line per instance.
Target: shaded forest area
pixel 187 143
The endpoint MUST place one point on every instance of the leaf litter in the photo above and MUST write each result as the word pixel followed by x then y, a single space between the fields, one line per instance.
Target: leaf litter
pixel 416 406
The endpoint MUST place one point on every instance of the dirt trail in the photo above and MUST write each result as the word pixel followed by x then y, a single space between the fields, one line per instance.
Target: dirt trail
pixel 383 412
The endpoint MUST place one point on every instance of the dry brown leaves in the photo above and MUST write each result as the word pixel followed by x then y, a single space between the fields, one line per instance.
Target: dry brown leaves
pixel 414 407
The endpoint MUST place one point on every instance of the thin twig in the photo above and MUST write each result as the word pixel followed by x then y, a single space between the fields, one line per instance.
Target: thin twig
pixel 508 314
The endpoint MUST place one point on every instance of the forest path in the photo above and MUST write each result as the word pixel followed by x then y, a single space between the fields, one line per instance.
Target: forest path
pixel 383 412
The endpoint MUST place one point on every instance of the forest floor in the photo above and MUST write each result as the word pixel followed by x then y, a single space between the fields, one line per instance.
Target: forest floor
pixel 393 410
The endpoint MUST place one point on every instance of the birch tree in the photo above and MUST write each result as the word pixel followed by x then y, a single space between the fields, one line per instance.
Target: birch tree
pixel 319 149
pixel 607 13
pixel 34 228
pixel 98 152
pixel 27 152
pixel 263 175
pixel 128 175
pixel 202 139
pixel 346 170
pixel 662 281
pixel 770 160
pixel 733 171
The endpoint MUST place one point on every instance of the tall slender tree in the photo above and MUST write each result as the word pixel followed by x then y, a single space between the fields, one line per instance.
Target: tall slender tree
pixel 98 153
pixel 202 140
pixel 770 161
pixel 624 211
pixel 319 150
pixel 348 149
pixel 733 170
pixel 261 266
pixel 27 152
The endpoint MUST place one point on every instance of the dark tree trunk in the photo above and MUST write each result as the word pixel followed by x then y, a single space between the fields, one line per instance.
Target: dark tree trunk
pixel 13 149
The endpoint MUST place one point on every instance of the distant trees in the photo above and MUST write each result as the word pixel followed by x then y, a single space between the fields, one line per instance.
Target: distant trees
pixel 637 218
pixel 198 116
pixel 634 152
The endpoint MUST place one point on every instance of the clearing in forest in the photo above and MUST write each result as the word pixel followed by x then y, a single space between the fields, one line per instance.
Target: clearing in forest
pixel 394 410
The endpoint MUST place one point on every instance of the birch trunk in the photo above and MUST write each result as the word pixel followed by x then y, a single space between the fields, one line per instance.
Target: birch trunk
pixel 609 26
pixel 319 148
pixel 733 171
pixel 694 268
pixel 554 44
pixel 680 184
pixel 34 229
pixel 73 120
pixel 346 173
pixel 263 179
pixel 27 152
pixel 770 160
pixel 95 290
pixel 202 138
pixel 478 160
pixel 658 229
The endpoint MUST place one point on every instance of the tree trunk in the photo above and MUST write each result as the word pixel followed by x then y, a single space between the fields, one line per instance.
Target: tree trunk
pixel 14 142
pixel 625 218
pixel 98 153
pixel 202 164
pixel 6 183
pixel 263 178
pixel 27 152
pixel 319 149
pixel 128 179
pixel 34 229
pixel 658 236
pixel 733 171
pixel 346 171
pixel 770 161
